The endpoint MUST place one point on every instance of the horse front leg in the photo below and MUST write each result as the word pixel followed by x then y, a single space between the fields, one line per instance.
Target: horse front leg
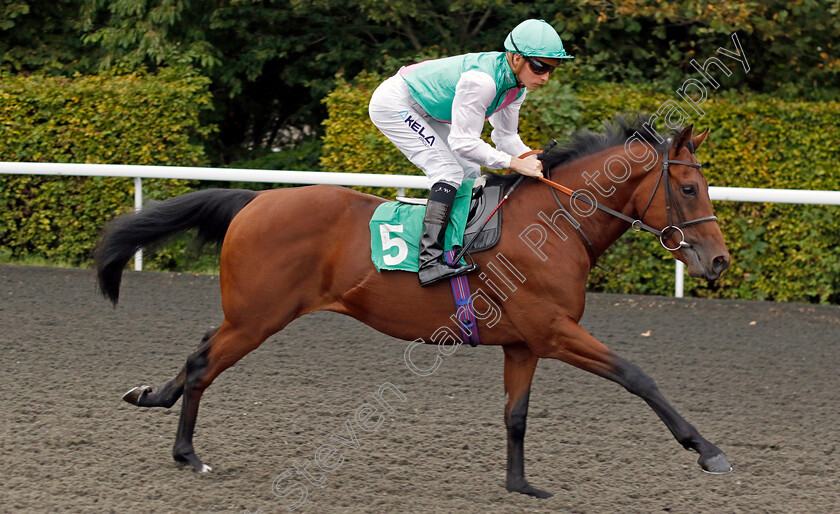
pixel 712 459
pixel 577 347
pixel 520 363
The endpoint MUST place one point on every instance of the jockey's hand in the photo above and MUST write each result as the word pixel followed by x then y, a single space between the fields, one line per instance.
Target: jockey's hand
pixel 528 167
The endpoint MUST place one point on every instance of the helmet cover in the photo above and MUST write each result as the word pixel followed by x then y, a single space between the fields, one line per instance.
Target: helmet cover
pixel 536 38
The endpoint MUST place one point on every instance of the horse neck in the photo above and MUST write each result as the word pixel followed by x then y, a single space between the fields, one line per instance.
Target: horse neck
pixel 588 174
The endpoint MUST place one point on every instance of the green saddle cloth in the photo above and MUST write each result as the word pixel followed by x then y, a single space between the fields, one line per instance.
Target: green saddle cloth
pixel 396 227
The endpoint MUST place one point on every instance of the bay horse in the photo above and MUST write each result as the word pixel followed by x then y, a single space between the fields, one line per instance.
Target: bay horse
pixel 289 252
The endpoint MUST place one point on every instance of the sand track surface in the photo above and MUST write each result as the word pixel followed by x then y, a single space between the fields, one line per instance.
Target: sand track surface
pixel 760 380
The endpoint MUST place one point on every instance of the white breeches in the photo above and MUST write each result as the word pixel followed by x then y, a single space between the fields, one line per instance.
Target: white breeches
pixel 419 137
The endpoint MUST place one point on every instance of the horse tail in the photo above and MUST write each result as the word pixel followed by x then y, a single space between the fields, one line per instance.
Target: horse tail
pixel 209 211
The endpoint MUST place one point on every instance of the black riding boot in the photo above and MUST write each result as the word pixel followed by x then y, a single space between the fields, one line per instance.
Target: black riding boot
pixel 433 266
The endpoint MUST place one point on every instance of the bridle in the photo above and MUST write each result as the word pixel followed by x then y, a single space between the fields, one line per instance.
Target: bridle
pixel 637 224
pixel 669 230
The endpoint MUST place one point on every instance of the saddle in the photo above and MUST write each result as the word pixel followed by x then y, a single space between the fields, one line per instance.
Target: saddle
pixel 482 230
pixel 486 194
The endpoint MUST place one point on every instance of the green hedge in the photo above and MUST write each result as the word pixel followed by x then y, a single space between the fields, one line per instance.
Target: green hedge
pixel 351 142
pixel 117 119
pixel 779 251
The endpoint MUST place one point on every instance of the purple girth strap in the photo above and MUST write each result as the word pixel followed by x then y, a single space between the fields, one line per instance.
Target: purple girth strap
pixel 464 308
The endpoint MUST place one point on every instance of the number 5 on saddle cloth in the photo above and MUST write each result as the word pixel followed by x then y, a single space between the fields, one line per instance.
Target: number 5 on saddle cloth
pixel 396 227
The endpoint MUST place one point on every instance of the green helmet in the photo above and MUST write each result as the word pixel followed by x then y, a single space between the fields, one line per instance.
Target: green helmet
pixel 536 38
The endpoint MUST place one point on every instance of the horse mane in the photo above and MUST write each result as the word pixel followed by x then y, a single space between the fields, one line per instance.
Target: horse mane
pixel 617 130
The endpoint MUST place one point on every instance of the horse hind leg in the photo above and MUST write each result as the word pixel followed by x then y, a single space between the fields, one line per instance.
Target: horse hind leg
pixel 166 396
pixel 223 349
pixel 168 393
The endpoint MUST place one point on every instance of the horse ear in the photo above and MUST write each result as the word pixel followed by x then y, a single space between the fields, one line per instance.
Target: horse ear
pixel 698 140
pixel 682 139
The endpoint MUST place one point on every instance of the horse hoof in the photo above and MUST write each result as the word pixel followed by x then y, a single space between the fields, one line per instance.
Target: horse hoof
pixel 133 395
pixel 191 459
pixel 717 465
pixel 530 491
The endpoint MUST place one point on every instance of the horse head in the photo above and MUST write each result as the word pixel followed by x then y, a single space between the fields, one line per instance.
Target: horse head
pixel 676 197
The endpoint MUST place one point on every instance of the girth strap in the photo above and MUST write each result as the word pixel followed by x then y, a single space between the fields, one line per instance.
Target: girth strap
pixel 464 311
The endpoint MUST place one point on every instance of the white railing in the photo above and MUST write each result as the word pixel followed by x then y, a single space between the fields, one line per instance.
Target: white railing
pixel 137 172
pixel 731 194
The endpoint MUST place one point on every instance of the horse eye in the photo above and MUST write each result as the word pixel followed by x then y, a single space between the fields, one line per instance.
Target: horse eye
pixel 689 190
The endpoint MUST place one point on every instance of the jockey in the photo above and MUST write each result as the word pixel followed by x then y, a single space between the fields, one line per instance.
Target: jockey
pixel 434 112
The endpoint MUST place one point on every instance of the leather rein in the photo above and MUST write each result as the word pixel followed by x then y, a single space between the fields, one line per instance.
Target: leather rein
pixel 637 224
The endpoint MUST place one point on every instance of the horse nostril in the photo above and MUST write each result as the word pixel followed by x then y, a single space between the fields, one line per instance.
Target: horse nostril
pixel 720 263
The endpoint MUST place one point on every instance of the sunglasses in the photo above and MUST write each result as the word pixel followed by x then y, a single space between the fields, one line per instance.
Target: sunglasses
pixel 537 66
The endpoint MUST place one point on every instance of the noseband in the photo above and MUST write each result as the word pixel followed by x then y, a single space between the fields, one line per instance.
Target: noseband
pixel 669 230
pixel 638 224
